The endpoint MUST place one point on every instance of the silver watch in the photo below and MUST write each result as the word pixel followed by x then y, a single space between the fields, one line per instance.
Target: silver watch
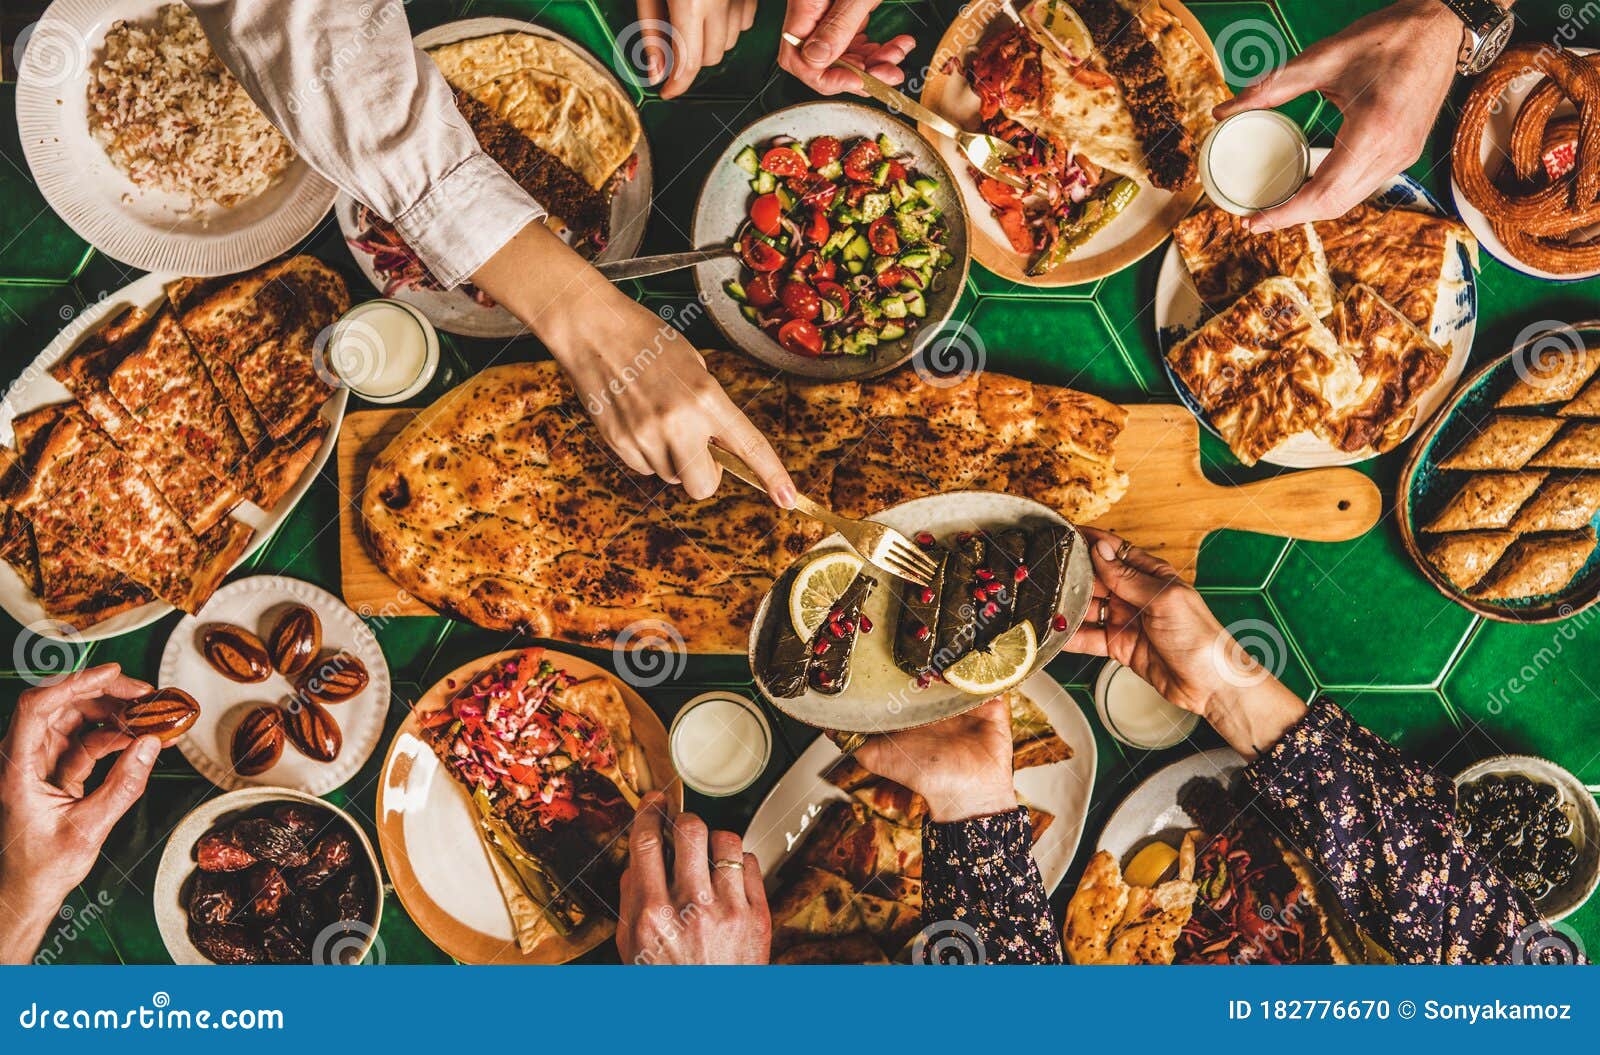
pixel 1486 30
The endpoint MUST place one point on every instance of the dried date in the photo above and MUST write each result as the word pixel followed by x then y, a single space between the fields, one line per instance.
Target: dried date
pixel 235 653
pixel 227 943
pixel 305 821
pixel 283 945
pixel 272 841
pixel 330 855
pixel 266 888
pixel 346 898
pixel 213 898
pixel 218 852
pixel 295 641
pixel 165 714
pixel 258 741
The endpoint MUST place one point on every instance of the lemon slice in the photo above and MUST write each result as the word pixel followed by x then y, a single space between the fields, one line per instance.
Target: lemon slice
pixel 1006 661
pixel 1149 865
pixel 817 588
pixel 1059 24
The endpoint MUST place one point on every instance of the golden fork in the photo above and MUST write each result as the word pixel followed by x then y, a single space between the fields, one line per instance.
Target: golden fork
pixel 984 151
pixel 878 544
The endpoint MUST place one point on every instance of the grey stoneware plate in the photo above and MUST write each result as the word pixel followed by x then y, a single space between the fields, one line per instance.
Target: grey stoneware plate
pixel 879 696
pixel 724 205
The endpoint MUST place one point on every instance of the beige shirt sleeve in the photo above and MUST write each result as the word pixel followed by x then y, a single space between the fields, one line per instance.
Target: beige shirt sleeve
pixel 371 113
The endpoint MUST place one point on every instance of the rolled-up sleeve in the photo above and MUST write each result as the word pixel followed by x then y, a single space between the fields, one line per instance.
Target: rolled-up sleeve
pixel 371 113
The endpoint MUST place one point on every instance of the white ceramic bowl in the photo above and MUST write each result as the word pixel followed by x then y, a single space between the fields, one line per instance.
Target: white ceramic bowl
pixel 178 863
pixel 1579 802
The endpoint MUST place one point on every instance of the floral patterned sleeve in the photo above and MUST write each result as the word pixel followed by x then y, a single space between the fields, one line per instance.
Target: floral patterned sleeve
pixel 1381 830
pixel 983 900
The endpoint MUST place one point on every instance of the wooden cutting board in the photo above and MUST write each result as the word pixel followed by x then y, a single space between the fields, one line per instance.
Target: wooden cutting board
pixel 1169 509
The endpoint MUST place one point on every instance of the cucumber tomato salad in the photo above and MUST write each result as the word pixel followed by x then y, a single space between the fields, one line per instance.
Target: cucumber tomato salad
pixel 843 244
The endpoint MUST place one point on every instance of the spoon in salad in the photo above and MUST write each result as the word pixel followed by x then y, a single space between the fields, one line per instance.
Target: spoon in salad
pixel 986 152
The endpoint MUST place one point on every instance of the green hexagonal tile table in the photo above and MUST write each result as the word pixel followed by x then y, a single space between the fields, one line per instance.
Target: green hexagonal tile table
pixel 1355 619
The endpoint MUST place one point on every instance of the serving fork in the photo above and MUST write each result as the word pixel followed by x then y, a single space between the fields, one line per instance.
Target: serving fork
pixel 984 151
pixel 878 544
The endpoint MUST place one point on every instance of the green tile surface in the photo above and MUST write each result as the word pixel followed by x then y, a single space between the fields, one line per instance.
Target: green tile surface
pixel 1354 618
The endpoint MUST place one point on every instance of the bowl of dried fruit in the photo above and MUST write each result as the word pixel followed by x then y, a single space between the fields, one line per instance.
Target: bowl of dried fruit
pixel 268 875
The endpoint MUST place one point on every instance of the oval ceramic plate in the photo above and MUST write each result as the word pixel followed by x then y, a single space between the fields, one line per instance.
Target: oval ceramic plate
pixel 454 310
pixel 178 863
pixel 1127 239
pixel 256 604
pixel 1578 802
pixel 1061 788
pixel 722 209
pixel 144 228
pixel 35 388
pixel 1425 488
pixel 1151 811
pixel 880 697
pixel 428 832
pixel 1179 311
pixel 1493 149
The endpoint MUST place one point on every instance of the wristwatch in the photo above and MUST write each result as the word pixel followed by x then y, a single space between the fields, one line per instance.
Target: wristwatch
pixel 1487 31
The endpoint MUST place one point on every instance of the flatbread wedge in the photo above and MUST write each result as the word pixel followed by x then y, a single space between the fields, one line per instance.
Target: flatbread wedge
pixel 1396 363
pixel 1224 259
pixel 1405 255
pixel 1110 922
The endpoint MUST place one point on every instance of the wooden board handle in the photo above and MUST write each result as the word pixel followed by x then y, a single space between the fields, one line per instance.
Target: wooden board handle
pixel 1320 505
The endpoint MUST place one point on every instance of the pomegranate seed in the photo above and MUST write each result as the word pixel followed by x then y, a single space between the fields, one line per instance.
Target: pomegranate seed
pixel 923 680
pixel 979 593
pixel 848 626
pixel 927 595
pixel 997 592
pixel 923 632
pixel 1020 574
pixel 963 536
pixel 837 629
pixel 991 610
pixel 925 539
pixel 821 647
pixel 985 574
pixel 866 625
pixel 1059 623
pixel 824 678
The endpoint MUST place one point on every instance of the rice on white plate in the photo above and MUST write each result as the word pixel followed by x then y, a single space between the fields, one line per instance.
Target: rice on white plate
pixel 171 116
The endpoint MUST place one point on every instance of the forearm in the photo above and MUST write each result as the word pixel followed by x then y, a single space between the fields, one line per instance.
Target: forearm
pixel 1382 831
pixel 23 923
pixel 979 873
pixel 1253 717
pixel 538 278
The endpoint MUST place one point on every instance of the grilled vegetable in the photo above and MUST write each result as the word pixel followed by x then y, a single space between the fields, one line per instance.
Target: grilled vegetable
pixel 1074 231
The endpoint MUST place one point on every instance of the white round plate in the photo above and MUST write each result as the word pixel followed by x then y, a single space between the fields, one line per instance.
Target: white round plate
pixel 453 310
pixel 724 204
pixel 35 388
pixel 1062 788
pixel 141 227
pixel 880 696
pixel 256 604
pixel 1152 812
pixel 1179 311
pixel 1493 149
pixel 178 863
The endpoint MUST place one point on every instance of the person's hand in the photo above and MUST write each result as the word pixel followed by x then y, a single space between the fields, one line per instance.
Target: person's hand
pixel 1388 74
pixel 961 766
pixel 51 831
pixel 1147 618
pixel 642 382
pixel 830 29
pixel 712 909
pixel 701 32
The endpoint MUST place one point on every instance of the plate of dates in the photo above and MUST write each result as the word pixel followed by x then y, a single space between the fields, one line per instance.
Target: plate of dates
pixel 292 686
pixel 268 875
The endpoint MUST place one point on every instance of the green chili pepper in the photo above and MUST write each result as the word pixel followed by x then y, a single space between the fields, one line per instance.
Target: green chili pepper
pixel 1091 220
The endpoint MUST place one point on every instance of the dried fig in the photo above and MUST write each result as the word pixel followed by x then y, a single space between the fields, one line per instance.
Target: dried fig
pixel 295 641
pixel 235 653
pixel 166 714
pixel 258 741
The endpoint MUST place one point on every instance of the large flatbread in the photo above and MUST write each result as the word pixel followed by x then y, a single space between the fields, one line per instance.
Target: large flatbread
pixel 550 94
pixel 501 504
pixel 1224 259
pixel 1110 922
